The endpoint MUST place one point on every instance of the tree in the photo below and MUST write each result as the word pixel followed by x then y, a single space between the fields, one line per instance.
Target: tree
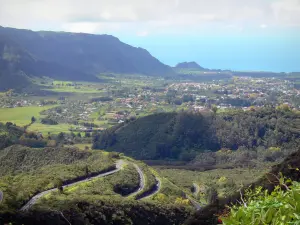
pixel 59 185
pixel 61 136
pixel 214 108
pixel 87 171
pixel 33 119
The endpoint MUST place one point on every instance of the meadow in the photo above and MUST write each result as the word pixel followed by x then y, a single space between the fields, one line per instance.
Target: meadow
pixel 21 116
pixel 52 129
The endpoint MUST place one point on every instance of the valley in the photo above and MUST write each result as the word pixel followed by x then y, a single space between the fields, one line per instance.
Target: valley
pixel 101 132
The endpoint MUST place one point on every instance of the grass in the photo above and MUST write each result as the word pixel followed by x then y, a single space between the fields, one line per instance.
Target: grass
pixel 21 116
pixel 226 181
pixel 61 86
pixel 82 146
pixel 70 89
pixel 53 129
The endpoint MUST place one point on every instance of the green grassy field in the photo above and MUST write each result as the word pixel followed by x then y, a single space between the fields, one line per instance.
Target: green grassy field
pixel 82 146
pixel 53 129
pixel 71 89
pixel 82 87
pixel 21 115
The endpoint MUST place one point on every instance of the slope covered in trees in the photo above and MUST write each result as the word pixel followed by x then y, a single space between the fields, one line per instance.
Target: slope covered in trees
pixel 184 135
pixel 9 134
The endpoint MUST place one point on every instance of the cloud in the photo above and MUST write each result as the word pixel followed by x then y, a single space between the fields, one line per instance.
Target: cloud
pixel 263 26
pixel 139 16
pixel 143 33
pixel 287 12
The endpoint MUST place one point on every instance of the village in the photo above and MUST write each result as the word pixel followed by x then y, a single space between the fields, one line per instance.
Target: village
pixel 119 102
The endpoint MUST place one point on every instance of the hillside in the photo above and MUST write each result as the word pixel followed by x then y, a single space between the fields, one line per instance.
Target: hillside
pixel 69 56
pixel 189 65
pixel 9 134
pixel 185 135
pixel 37 183
pixel 265 204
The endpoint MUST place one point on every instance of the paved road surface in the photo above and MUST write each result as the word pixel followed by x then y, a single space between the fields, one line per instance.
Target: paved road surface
pixel 157 189
pixel 33 200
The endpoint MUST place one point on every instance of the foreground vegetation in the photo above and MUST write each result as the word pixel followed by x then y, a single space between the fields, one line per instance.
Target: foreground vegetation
pixel 269 197
pixel 280 207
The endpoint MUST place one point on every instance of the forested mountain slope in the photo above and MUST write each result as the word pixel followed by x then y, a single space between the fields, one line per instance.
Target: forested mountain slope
pixel 183 135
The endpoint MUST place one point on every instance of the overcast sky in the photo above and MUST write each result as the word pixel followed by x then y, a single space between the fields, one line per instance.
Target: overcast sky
pixel 226 34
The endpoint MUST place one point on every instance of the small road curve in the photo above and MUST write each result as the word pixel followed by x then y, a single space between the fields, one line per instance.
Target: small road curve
pixel 155 190
pixel 142 181
pixel 33 200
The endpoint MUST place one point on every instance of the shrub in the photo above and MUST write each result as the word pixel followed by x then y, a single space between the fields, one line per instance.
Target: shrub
pixel 279 207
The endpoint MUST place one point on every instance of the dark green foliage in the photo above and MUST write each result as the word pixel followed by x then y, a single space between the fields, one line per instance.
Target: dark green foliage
pixel 49 121
pixel 106 211
pixel 32 140
pixel 160 136
pixel 184 135
pixel 9 134
pixel 33 119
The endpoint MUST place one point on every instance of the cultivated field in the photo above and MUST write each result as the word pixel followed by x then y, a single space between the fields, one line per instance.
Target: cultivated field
pixel 21 116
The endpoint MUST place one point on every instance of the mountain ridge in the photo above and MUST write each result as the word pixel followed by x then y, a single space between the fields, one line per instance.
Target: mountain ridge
pixel 70 56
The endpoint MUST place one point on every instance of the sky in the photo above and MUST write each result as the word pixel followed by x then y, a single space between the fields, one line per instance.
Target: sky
pixel 217 34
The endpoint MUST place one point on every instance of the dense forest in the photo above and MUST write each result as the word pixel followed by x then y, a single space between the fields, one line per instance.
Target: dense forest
pixel 182 136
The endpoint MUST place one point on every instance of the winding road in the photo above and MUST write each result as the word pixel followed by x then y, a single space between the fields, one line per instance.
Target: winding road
pixel 119 165
pixel 156 190
pixel 33 200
